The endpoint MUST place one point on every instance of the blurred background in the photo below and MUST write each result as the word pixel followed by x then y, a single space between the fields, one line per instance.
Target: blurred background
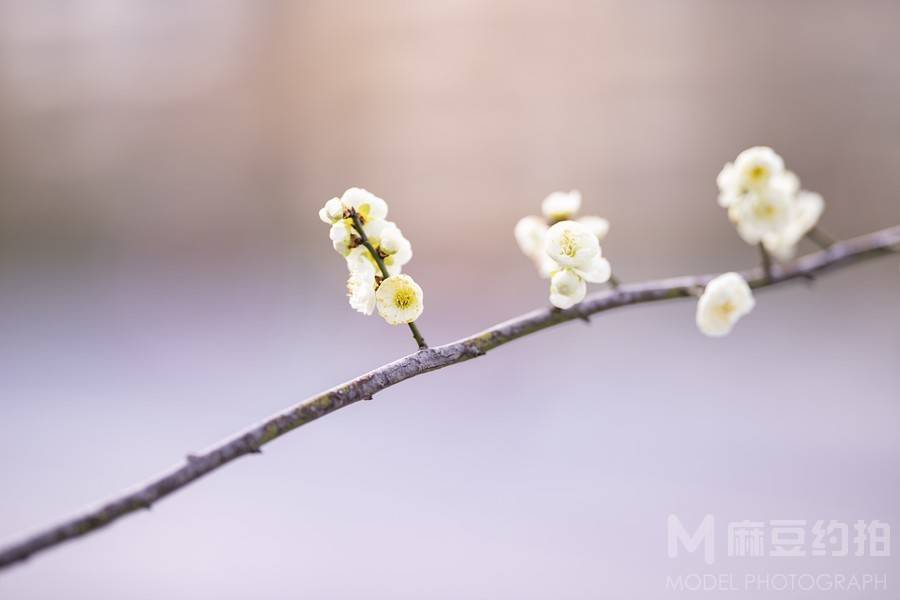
pixel 165 282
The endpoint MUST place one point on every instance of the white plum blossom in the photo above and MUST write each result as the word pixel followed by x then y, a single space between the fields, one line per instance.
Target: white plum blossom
pixel 361 290
pixel 803 216
pixel 753 170
pixel 725 300
pixel 559 206
pixel 576 252
pixel 765 202
pixel 399 299
pixel 359 260
pixel 396 250
pixel 571 244
pixel 567 289
pixel 762 213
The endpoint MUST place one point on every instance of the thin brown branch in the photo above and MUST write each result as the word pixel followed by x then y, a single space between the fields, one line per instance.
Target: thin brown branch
pixel 766 261
pixel 429 359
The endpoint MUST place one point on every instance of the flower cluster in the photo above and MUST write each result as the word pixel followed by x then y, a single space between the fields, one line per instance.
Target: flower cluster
pixel 765 202
pixel 375 252
pixel 566 251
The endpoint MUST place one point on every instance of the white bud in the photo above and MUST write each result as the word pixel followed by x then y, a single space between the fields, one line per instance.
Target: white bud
pixel 341 235
pixel 397 249
pixel 567 289
pixel 332 212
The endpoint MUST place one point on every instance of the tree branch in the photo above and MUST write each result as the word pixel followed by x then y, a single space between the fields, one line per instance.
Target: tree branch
pixel 365 386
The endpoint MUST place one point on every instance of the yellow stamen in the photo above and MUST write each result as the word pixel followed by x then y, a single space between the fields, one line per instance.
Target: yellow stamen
pixel 404 298
pixel 567 245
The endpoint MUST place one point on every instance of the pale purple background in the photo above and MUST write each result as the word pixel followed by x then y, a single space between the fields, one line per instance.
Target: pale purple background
pixel 164 282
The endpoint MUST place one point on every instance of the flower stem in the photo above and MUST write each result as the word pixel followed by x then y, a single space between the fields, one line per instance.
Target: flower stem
pixel 766 261
pixel 364 239
pixel 614 281
pixel 820 238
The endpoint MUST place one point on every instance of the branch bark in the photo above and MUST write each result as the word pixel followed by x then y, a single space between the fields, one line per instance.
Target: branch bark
pixel 365 386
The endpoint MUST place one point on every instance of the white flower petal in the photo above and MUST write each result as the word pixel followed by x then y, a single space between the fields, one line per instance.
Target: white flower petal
pixel 728 182
pixel 361 291
pixel 599 271
pixel 545 265
pixel 597 225
pixel 561 205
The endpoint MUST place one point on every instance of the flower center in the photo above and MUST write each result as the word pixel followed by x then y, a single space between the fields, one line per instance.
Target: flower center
pixel 567 245
pixel 726 308
pixel 758 173
pixel 404 298
pixel 765 211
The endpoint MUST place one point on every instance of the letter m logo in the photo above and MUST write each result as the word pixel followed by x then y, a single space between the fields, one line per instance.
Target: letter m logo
pixel 703 535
